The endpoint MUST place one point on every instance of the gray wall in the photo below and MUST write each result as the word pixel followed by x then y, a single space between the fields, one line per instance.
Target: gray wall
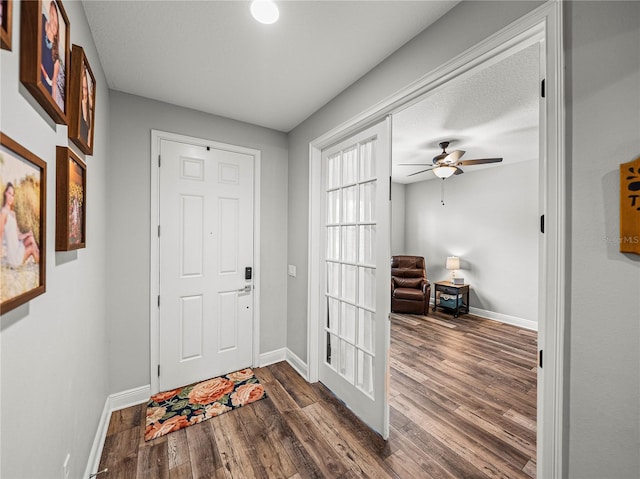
pixel 54 349
pixel 603 99
pixel 128 220
pixel 490 220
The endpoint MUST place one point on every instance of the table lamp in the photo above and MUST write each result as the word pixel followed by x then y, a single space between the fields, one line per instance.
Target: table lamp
pixel 453 263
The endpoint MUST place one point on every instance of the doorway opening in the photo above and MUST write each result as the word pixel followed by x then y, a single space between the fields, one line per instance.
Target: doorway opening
pixel 542 26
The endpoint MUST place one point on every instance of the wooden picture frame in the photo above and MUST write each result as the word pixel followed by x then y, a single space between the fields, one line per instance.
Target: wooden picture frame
pixel 6 21
pixel 630 207
pixel 23 222
pixel 82 101
pixel 71 203
pixel 45 55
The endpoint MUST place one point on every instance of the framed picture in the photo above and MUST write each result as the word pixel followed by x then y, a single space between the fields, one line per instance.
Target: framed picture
pixel 23 182
pixel 6 8
pixel 71 209
pixel 82 101
pixel 45 54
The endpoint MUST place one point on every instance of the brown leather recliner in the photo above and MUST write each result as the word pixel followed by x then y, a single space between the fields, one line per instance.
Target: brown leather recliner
pixel 410 289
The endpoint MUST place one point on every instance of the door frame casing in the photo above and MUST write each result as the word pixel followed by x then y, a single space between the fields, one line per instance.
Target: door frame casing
pixel 154 241
pixel 542 24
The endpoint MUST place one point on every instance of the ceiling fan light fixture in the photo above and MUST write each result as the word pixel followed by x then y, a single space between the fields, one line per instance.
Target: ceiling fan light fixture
pixel 444 171
pixel 265 11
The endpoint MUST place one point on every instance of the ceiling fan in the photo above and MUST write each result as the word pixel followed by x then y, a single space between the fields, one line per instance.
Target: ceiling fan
pixel 447 164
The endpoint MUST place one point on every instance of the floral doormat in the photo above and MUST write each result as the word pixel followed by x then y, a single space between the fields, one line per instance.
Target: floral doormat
pixel 173 410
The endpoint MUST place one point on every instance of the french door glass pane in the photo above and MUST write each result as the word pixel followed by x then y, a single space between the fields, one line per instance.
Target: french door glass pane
pixel 366 330
pixel 333 314
pixel 367 287
pixel 347 360
pixel 349 244
pixel 348 322
pixel 349 204
pixel 348 283
pixel 333 207
pixel 349 166
pixel 333 171
pixel 367 161
pixel 364 380
pixel 367 241
pixel 333 278
pixel 333 243
pixel 332 350
pixel 368 202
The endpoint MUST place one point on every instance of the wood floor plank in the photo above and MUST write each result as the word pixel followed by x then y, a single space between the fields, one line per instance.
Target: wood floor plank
pixel 235 451
pixel 283 439
pixel 462 405
pixel 203 451
pixel 153 461
pixel 120 453
pixel 346 444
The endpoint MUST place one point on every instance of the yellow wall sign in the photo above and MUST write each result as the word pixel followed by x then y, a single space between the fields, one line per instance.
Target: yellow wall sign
pixel 630 207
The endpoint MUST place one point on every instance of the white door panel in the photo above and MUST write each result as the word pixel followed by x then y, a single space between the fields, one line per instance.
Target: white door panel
pixel 206 241
pixel 354 332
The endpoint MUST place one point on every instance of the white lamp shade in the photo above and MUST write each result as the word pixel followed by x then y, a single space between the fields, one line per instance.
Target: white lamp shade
pixel 444 171
pixel 453 262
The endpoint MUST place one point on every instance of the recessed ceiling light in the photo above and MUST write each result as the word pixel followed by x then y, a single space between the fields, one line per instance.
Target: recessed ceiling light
pixel 265 11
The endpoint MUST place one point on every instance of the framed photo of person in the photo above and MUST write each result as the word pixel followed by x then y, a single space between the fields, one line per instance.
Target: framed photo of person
pixel 82 101
pixel 45 55
pixel 71 200
pixel 23 182
pixel 6 19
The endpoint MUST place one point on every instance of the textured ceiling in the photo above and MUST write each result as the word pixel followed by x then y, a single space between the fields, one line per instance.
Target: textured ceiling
pixel 492 113
pixel 213 57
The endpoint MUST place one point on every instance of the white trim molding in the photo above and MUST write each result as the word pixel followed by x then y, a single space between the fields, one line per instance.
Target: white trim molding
pixel 542 26
pixel 298 364
pixel 114 402
pixel 285 354
pixel 154 288
pixel 272 357
pixel 504 318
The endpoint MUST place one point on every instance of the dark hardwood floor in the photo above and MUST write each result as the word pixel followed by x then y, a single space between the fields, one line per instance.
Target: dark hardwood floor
pixel 463 405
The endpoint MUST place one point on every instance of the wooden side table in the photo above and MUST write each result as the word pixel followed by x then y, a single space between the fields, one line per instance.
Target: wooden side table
pixel 461 303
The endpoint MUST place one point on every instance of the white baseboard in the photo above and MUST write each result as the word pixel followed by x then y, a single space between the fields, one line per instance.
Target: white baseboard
pixel 132 397
pixel 98 441
pixel 272 357
pixel 298 364
pixel 284 354
pixel 113 403
pixel 505 318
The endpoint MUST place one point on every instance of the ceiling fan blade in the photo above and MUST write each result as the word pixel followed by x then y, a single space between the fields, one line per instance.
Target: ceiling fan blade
pixel 421 171
pixel 454 156
pixel 458 171
pixel 440 157
pixel 480 161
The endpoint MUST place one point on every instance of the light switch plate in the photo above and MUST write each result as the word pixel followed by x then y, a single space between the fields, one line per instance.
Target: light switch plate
pixel 291 270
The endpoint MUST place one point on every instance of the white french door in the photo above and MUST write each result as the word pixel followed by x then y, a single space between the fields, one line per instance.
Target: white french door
pixel 206 243
pixel 355 304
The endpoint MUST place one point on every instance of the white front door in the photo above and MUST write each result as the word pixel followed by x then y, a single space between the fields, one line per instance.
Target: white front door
pixel 354 326
pixel 206 244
